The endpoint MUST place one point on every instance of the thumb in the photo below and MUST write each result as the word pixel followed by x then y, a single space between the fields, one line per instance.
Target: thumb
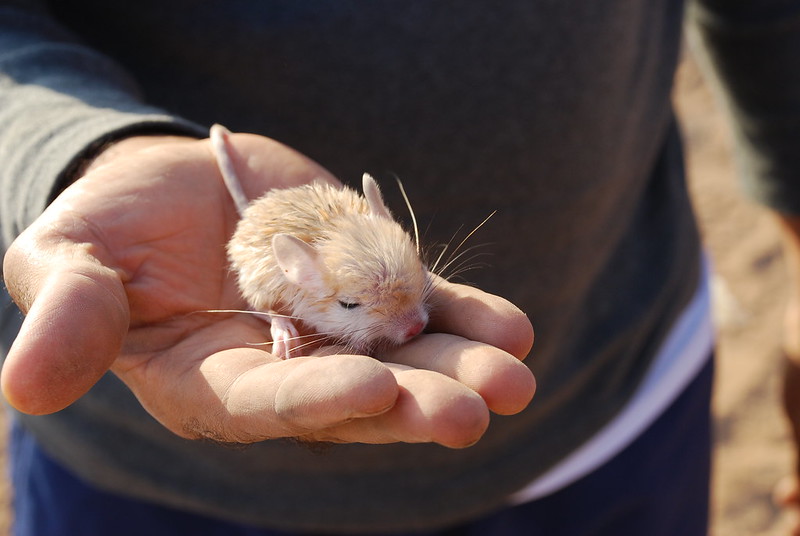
pixel 77 319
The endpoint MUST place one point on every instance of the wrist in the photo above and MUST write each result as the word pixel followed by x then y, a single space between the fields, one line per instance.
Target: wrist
pixel 124 147
pixel 106 151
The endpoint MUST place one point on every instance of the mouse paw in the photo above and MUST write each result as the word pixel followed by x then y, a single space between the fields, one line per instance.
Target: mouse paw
pixel 284 337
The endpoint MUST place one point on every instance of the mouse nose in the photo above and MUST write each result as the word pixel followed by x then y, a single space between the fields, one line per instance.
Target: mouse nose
pixel 415 329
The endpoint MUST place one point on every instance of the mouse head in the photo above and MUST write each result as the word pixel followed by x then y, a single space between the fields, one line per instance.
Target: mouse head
pixel 363 285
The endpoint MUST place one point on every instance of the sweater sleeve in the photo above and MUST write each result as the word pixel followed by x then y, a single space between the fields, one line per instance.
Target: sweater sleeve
pixel 753 50
pixel 59 101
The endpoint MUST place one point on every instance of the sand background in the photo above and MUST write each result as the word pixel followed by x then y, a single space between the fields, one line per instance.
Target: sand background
pixel 752 442
pixel 752 448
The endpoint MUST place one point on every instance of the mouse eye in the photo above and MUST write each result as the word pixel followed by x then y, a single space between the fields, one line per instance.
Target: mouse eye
pixel 348 305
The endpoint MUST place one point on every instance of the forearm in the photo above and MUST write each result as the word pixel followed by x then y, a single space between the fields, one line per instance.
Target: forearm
pixel 60 103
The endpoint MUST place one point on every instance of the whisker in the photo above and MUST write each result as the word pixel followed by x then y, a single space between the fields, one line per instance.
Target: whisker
pixel 410 210
pixel 460 258
pixel 311 342
pixel 308 336
pixel 445 247
pixel 472 232
pixel 246 312
pixel 439 258
pixel 456 276
pixel 431 285
pixel 299 337
pixel 456 254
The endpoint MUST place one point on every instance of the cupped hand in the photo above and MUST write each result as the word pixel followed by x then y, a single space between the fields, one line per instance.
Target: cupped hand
pixel 115 275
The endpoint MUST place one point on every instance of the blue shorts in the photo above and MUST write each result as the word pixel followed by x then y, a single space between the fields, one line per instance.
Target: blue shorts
pixel 658 486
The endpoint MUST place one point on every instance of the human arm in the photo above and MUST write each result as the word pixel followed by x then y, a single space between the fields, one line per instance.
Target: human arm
pixel 102 288
pixel 61 102
pixel 112 273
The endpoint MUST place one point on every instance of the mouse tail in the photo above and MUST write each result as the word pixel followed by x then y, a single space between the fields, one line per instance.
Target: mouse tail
pixel 221 147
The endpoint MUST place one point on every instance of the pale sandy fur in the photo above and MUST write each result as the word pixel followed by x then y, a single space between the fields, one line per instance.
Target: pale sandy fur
pixel 368 259
pixel 325 257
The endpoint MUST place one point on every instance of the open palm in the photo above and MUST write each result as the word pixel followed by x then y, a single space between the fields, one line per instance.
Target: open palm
pixel 116 273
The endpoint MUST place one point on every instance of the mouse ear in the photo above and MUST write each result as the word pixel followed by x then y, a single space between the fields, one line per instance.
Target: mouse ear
pixel 374 197
pixel 299 261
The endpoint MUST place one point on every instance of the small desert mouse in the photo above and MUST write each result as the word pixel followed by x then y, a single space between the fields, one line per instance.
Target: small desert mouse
pixel 327 258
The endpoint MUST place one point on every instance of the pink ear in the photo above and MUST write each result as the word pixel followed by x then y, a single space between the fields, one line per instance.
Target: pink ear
pixel 299 262
pixel 374 197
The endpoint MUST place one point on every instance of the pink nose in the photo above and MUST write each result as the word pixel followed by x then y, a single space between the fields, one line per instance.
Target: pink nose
pixel 415 330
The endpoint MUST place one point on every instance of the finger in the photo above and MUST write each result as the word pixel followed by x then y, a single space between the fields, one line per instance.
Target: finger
pixel 72 333
pixel 504 382
pixel 430 407
pixel 479 316
pixel 786 492
pixel 246 395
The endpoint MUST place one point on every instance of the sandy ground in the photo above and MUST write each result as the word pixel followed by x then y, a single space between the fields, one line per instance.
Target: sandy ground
pixel 752 449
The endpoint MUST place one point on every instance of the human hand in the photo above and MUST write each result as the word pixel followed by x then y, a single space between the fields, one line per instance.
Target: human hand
pixel 787 491
pixel 111 277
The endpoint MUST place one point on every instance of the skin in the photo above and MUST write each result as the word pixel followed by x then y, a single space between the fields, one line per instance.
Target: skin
pixel 110 274
pixel 788 490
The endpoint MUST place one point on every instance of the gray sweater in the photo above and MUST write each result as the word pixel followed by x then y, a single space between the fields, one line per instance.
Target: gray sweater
pixel 556 114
